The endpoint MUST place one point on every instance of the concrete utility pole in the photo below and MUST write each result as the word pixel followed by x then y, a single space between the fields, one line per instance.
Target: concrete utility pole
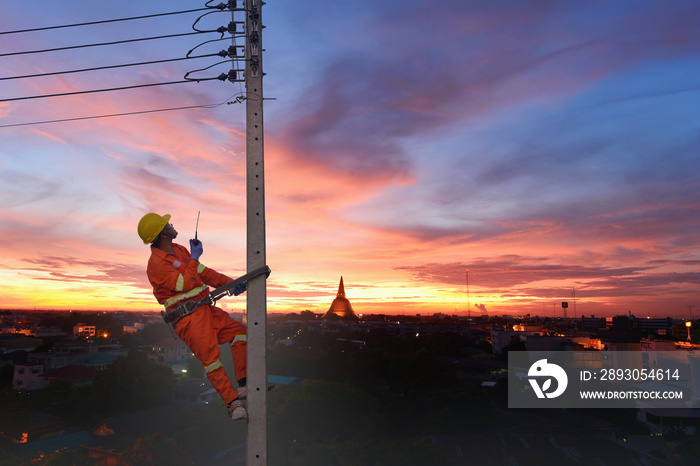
pixel 256 443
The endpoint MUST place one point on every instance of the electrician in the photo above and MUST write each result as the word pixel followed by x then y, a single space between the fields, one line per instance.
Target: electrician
pixel 177 276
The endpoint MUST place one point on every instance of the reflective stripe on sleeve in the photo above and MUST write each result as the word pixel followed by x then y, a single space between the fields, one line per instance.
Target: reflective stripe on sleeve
pixel 190 294
pixel 200 268
pixel 239 338
pixel 213 366
pixel 180 283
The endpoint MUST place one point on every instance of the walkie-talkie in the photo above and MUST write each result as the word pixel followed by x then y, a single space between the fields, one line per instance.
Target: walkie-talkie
pixel 196 241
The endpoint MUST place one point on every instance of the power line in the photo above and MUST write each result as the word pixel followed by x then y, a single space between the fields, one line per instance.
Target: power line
pixel 232 73
pixel 220 6
pixel 231 76
pixel 238 99
pixel 106 67
pixel 222 77
pixel 215 40
pixel 221 30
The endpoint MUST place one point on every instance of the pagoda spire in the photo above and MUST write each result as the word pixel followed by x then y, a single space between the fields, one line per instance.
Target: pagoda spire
pixel 341 289
pixel 341 307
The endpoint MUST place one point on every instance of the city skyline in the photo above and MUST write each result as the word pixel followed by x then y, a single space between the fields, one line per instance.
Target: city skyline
pixel 548 149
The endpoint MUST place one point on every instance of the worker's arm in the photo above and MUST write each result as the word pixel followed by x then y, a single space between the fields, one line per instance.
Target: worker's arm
pixel 213 278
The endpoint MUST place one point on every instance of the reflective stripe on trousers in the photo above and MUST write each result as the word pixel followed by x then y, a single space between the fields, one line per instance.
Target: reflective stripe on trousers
pixel 213 366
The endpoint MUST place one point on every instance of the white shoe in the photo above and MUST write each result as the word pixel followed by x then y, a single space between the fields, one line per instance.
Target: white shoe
pixel 236 409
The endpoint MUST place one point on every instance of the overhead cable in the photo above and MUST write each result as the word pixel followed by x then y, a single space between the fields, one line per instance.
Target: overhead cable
pixel 232 24
pixel 205 14
pixel 221 30
pixel 231 76
pixel 237 100
pixel 137 86
pixel 106 67
pixel 221 7
pixel 216 40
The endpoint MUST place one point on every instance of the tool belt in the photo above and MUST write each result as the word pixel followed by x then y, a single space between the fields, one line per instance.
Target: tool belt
pixel 183 309
pixel 188 307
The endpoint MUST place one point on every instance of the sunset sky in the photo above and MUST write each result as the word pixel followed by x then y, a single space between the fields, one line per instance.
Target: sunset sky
pixel 549 148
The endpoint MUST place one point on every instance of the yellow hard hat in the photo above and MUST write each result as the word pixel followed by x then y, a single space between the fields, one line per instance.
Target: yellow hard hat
pixel 151 225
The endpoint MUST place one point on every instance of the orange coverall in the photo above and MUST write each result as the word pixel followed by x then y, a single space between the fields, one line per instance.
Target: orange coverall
pixel 176 279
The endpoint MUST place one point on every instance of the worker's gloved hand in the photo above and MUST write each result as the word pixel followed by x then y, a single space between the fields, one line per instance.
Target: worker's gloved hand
pixel 238 289
pixel 196 250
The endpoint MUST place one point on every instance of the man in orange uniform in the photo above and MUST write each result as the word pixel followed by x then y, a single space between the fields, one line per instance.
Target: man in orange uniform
pixel 177 276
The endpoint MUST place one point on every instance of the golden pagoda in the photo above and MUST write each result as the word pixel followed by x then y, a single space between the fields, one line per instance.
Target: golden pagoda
pixel 341 307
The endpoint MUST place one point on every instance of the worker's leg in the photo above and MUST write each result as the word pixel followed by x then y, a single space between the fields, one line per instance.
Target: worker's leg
pixel 233 332
pixel 198 331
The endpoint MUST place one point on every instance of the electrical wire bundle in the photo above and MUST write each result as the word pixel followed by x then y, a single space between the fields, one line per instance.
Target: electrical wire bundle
pixel 231 56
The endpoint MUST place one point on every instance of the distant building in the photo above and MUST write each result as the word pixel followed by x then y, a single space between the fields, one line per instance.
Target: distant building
pixel 173 353
pixel 658 345
pixel 588 342
pixel 28 377
pixel 656 326
pixel 527 327
pixel 83 330
pixel 170 350
pixel 500 338
pixel 39 332
pixel 549 343
pixel 592 323
pixel 18 342
pixel 136 327
pixel 341 307
pixel 63 354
